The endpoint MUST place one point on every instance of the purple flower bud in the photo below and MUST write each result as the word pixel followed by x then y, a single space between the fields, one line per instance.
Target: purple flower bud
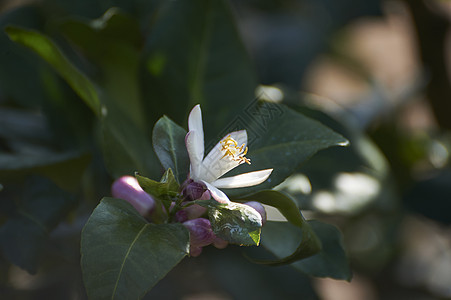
pixel 195 251
pixel 190 212
pixel 220 243
pixel 200 234
pixel 128 188
pixel 193 190
pixel 259 208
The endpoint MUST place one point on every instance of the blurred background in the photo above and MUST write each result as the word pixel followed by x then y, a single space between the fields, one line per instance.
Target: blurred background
pixel 378 72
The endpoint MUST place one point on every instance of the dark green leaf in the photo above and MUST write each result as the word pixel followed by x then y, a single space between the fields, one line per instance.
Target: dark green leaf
pixel 23 237
pixel 303 244
pixel 243 279
pixel 331 261
pixel 126 147
pixel 212 68
pixel 236 223
pixel 46 49
pixel 308 245
pixel 169 143
pixel 123 256
pixel 65 169
pixel 112 43
pixel 282 139
pixel 282 202
pixel 281 238
pixel 18 66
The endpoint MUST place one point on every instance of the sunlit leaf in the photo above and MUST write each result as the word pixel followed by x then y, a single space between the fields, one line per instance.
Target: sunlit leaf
pixel 167 186
pixel 236 223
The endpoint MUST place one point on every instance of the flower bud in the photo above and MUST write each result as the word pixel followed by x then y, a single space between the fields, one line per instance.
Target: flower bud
pixel 190 212
pixel 259 208
pixel 195 251
pixel 193 190
pixel 200 234
pixel 220 243
pixel 128 188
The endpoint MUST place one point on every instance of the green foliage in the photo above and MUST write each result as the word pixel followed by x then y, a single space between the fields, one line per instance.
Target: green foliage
pixel 53 55
pixel 169 144
pixel 282 237
pixel 211 59
pixel 123 255
pixel 236 223
pixel 23 238
pixel 309 243
pixel 163 193
pixel 282 139
pixel 166 188
pixel 128 72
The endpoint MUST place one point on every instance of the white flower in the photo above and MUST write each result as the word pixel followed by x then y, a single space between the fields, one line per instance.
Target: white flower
pixel 227 154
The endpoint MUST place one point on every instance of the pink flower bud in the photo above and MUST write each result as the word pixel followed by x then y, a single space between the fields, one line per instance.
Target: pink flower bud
pixel 190 212
pixel 195 251
pixel 259 208
pixel 193 190
pixel 128 188
pixel 200 234
pixel 220 243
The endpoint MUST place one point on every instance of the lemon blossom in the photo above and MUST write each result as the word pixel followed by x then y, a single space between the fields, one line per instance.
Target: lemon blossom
pixel 227 154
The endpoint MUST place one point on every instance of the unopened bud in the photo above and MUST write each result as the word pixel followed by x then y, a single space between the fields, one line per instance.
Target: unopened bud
pixel 220 243
pixel 193 190
pixel 200 234
pixel 259 208
pixel 128 188
pixel 190 212
pixel 195 251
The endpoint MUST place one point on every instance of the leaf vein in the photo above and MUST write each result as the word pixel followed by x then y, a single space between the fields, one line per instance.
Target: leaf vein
pixel 125 259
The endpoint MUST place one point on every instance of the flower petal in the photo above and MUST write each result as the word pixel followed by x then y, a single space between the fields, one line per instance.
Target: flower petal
pixel 217 194
pixel 195 153
pixel 195 124
pixel 214 164
pixel 243 180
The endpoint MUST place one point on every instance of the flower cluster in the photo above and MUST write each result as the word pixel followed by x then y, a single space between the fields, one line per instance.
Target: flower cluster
pixel 203 183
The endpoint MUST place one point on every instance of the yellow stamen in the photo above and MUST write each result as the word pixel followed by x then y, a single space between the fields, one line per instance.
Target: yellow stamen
pixel 235 153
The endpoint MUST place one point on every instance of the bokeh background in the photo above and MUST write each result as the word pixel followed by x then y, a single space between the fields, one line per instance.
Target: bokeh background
pixel 377 72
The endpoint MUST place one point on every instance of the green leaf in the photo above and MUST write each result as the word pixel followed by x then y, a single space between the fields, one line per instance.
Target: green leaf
pixel 284 203
pixel 281 238
pixel 166 188
pixel 48 51
pixel 17 64
pixel 124 256
pixel 113 42
pixel 162 192
pixel 212 68
pixel 281 139
pixel 236 223
pixel 23 237
pixel 65 169
pixel 169 144
pixel 308 245
pixel 126 147
pixel 331 261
